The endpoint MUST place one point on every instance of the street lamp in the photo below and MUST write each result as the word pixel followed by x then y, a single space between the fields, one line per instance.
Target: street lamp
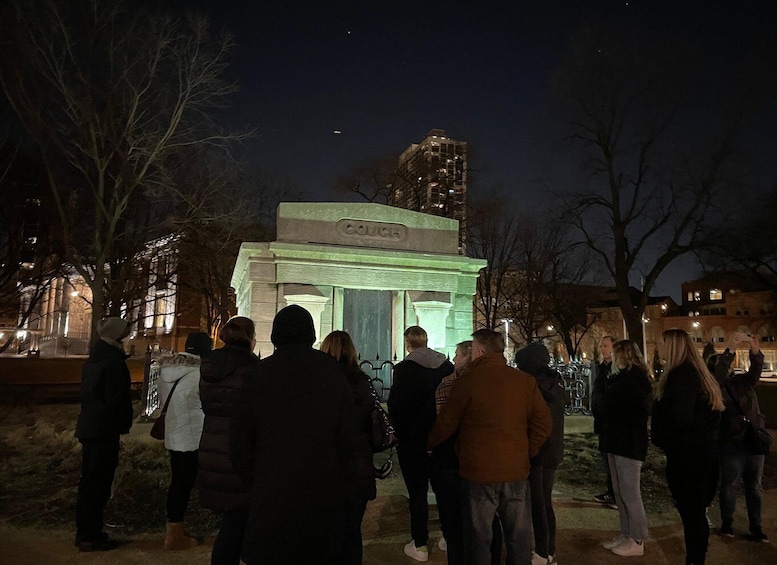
pixel 507 322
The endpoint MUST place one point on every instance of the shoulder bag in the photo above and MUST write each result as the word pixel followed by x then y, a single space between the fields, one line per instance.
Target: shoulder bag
pixel 158 429
pixel 382 436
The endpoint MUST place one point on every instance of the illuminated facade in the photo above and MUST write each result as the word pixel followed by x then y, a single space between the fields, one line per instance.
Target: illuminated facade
pixel 368 269
pixel 432 178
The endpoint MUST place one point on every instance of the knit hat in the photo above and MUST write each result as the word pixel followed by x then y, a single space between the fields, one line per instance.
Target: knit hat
pixel 113 328
pixel 293 325
pixel 198 343
pixel 531 356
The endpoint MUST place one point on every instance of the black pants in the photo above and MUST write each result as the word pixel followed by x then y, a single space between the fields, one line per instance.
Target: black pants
pixel 100 457
pixel 542 515
pixel 692 477
pixel 446 485
pixel 414 462
pixel 183 465
pixel 229 540
pixel 355 505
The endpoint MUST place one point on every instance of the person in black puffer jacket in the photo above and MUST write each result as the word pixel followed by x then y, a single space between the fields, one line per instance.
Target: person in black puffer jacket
pixel 534 359
pixel 360 476
pixel 106 414
pixel 224 376
pixel 624 438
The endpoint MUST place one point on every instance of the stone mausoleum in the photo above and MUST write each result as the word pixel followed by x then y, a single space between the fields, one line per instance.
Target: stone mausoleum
pixel 369 269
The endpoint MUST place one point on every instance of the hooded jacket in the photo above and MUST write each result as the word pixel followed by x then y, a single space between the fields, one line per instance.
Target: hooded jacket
pixel 224 376
pixel 411 399
pixel 534 359
pixel 184 418
pixel 292 442
pixel 106 404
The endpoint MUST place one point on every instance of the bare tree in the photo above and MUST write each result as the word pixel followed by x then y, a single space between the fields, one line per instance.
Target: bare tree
pixel 646 195
pixel 111 95
pixel 371 179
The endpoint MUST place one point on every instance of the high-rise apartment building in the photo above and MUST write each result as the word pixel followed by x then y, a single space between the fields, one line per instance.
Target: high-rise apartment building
pixel 431 177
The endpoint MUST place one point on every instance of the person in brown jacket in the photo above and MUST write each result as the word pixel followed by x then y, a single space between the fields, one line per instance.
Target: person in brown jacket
pixel 503 421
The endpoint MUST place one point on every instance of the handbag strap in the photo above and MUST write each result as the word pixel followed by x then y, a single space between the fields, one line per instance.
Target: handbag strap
pixel 169 396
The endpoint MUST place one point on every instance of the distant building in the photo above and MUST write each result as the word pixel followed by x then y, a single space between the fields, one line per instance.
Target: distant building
pixel 718 304
pixel 432 178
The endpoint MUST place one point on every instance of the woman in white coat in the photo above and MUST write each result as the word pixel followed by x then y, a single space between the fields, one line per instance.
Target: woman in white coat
pixel 183 428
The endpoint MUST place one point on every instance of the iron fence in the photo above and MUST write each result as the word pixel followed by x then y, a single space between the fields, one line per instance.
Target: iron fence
pixel 577 383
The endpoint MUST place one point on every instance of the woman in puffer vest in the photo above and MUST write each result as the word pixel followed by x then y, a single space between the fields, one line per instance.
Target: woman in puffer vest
pixel 183 428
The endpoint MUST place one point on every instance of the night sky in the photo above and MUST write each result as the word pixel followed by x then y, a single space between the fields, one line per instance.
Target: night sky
pixel 385 73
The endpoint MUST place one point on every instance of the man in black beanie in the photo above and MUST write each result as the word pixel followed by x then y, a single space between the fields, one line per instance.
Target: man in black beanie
pixel 106 413
pixel 290 442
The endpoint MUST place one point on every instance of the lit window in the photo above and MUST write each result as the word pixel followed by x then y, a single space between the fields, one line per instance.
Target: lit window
pixel 716 294
pixel 690 296
pixel 697 296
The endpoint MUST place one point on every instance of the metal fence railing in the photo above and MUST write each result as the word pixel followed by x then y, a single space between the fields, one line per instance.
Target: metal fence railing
pixel 577 384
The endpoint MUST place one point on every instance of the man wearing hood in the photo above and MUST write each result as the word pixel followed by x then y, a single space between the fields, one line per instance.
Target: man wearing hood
pixel 534 359
pixel 106 413
pixel 291 442
pixel 412 409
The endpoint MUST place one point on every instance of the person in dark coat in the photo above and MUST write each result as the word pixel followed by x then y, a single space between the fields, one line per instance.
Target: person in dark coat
pixel 412 409
pixel 624 438
pixel 291 441
pixel 601 372
pixel 534 359
pixel 684 424
pixel 736 462
pixel 106 414
pixel 360 475
pixel 224 377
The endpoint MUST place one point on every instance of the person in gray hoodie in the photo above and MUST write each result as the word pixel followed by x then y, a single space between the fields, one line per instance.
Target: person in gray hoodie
pixel 412 409
pixel 534 359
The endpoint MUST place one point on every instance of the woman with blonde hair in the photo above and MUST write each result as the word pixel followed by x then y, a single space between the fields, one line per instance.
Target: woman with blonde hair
pixel 624 438
pixel 685 421
pixel 360 475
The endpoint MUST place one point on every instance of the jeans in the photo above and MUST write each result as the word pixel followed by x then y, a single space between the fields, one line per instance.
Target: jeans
pixel 736 463
pixel 414 463
pixel 446 484
pixel 229 540
pixel 542 515
pixel 183 465
pixel 625 481
pixel 99 459
pixel 510 501
pixel 692 477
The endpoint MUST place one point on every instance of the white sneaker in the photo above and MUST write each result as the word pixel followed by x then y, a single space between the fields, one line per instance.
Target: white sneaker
pixel 615 542
pixel 537 559
pixel 552 560
pixel 443 544
pixel 417 553
pixel 629 548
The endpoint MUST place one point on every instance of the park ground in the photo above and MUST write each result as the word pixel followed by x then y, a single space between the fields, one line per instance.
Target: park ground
pixel 39 461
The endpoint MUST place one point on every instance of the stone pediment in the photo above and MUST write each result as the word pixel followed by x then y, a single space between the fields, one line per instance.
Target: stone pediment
pixel 366 225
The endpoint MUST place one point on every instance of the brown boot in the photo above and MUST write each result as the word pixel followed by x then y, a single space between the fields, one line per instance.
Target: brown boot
pixel 175 539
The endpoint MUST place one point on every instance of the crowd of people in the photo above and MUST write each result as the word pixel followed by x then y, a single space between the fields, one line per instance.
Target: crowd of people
pixel 282 446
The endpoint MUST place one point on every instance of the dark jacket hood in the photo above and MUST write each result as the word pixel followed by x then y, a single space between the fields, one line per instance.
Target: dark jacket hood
pixel 532 358
pixel 223 362
pixel 293 325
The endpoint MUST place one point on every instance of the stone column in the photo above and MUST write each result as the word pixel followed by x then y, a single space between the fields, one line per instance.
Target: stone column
pixel 313 304
pixel 432 316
